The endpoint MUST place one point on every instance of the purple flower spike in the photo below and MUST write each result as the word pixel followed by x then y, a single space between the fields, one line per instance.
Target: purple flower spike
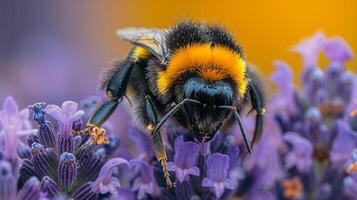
pixel 301 154
pixel 310 48
pixel 14 123
pixel 337 50
pixel 105 182
pixel 184 164
pixel 145 183
pixel 49 187
pixel 7 181
pixel 67 170
pixel 65 115
pixel 31 190
pixel 217 171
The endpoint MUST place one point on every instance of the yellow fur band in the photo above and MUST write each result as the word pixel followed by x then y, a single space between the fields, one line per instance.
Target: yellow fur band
pixel 211 62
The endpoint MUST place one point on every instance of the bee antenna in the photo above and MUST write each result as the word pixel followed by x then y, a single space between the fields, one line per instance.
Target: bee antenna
pixel 173 111
pixel 242 130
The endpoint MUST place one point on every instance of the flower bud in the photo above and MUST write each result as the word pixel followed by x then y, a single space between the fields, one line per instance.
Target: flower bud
pixel 50 187
pixel 85 192
pixel 67 170
pixel 31 190
pixel 46 135
pixel 7 181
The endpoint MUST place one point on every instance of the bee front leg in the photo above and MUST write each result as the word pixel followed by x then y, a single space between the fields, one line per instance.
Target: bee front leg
pixel 116 87
pixel 156 140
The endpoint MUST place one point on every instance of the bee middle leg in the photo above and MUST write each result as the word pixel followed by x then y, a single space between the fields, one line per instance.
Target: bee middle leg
pixel 156 140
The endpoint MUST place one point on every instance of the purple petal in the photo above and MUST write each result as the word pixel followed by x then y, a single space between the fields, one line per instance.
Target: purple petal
pixel 186 153
pixel 301 154
pixel 217 167
pixel 337 50
pixel 310 48
pixel 110 164
pixel 125 194
pixel 206 182
pixel 218 189
pixel 194 171
pixel 55 112
pixel 69 107
pixel 343 145
pixel 228 183
pixel 10 107
pixel 111 186
pixel 144 169
pixel 283 75
pixel 105 174
pixel 76 116
pixel 181 174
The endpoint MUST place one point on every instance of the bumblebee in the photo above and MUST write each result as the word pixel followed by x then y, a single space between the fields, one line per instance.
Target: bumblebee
pixel 194 73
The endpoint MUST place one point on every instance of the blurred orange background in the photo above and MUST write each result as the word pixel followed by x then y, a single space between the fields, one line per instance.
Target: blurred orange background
pixel 266 30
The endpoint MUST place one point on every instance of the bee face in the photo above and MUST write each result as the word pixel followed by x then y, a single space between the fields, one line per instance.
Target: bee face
pixel 206 118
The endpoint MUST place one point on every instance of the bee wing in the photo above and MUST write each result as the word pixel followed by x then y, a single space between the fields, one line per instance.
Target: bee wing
pixel 152 39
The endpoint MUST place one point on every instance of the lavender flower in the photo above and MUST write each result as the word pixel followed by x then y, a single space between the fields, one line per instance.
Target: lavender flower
pixel 217 172
pixel 14 124
pixel 66 115
pixel 343 145
pixel 105 182
pixel 337 50
pixel 309 49
pixel 145 182
pixel 186 154
pixel 301 154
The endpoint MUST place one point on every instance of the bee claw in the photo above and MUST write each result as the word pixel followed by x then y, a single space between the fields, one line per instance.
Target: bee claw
pixel 171 186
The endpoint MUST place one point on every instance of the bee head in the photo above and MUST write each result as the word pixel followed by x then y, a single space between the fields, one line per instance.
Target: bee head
pixel 206 118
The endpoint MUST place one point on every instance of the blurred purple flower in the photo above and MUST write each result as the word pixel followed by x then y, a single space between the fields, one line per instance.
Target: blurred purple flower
pixel 65 115
pixel 145 183
pixel 184 164
pixel 343 145
pixel 301 154
pixel 350 185
pixel 309 49
pixel 266 165
pixel 284 80
pixel 142 142
pixel 105 181
pixel 217 172
pixel 7 181
pixel 14 124
pixel 337 50
pixel 30 191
